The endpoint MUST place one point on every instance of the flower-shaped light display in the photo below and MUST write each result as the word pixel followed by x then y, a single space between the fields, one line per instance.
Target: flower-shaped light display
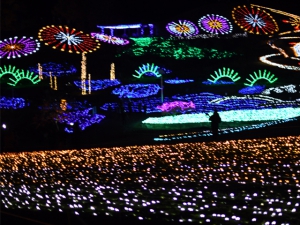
pixel 110 39
pixel 182 28
pixel 254 20
pixel 215 24
pixel 17 47
pixel 68 39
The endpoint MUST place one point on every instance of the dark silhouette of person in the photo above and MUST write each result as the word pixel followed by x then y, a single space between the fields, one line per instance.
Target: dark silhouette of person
pixel 215 121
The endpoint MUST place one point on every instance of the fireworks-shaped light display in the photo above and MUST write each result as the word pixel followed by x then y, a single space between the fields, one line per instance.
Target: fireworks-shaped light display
pixel 215 24
pixel 110 39
pixel 182 28
pixel 17 47
pixel 254 20
pixel 66 39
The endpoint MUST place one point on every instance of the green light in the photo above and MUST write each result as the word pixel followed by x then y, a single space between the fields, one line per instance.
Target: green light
pixel 259 76
pixel 225 73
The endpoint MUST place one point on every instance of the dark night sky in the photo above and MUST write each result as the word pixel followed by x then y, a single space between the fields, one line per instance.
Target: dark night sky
pixel 28 17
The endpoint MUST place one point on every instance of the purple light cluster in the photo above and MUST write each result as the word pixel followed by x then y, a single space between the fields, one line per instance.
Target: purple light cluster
pixel 178 81
pixel 110 39
pixel 136 90
pixel 56 69
pixel 15 47
pixel 99 84
pixel 176 105
pixel 12 103
pixel 215 24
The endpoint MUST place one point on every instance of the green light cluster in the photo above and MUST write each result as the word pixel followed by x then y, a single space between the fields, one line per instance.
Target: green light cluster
pixel 172 48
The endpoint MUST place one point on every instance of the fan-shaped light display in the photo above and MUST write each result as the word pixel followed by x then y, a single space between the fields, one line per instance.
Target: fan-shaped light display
pixel 254 20
pixel 215 24
pixel 182 28
pixel 17 47
pixel 66 39
pixel 110 39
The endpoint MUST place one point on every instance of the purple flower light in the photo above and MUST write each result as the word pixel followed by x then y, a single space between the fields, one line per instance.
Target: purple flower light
pixel 15 47
pixel 184 27
pixel 215 24
pixel 110 39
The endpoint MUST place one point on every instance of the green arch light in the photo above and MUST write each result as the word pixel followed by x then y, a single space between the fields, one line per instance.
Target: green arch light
pixel 260 75
pixel 18 75
pixel 147 68
pixel 226 72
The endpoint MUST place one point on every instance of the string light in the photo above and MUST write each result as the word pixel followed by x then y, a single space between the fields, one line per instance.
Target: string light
pixel 100 84
pixel 12 103
pixel 110 39
pixel 226 72
pixel 51 82
pixel 90 86
pixel 147 69
pixel 40 69
pixel 57 69
pixel 83 74
pixel 136 90
pixel 261 75
pixel 265 59
pixel 55 83
pixel 112 72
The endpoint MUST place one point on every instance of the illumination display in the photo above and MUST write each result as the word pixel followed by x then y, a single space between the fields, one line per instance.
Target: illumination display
pixel 110 39
pixel 226 72
pixel 294 20
pixel 83 74
pixel 167 48
pixel 178 81
pixel 215 24
pixel 228 116
pixel 182 28
pixel 177 106
pixel 148 69
pixel 12 103
pixel 137 27
pixel 83 117
pixel 99 84
pixel 265 59
pixel 251 181
pixel 254 20
pixel 296 49
pixel 261 75
pixel 290 88
pixel 17 47
pixel 18 75
pixel 255 89
pixel 66 39
pixel 112 72
pixel 136 90
pixel 56 69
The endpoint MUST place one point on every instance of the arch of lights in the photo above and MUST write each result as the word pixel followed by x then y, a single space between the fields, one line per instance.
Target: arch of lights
pixel 99 84
pixel 56 69
pixel 182 28
pixel 178 106
pixel 215 24
pixel 66 39
pixel 136 90
pixel 261 75
pixel 17 47
pixel 12 103
pixel 138 27
pixel 226 72
pixel 147 69
pixel 294 20
pixel 49 178
pixel 18 75
pixel 178 81
pixel 254 20
pixel 265 59
pixel 110 39
pixel 229 116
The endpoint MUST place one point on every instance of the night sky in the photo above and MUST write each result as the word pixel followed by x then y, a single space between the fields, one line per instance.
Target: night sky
pixel 27 17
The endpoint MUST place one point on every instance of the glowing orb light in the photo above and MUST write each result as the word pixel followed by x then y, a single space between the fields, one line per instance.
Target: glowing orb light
pixel 110 39
pixel 182 28
pixel 17 47
pixel 68 39
pixel 254 20
pixel 215 24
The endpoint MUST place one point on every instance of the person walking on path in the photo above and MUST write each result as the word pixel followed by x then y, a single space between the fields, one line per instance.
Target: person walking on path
pixel 215 121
